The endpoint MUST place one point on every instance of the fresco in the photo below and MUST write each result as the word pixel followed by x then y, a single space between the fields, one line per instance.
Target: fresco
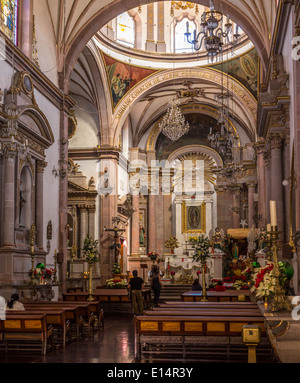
pixel 244 69
pixel 123 77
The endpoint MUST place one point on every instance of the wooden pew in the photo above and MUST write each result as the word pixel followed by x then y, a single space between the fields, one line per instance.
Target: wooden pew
pixel 212 312
pixel 203 311
pixel 73 313
pixel 55 317
pixel 23 331
pixel 215 296
pixel 84 310
pixel 179 332
pixel 244 305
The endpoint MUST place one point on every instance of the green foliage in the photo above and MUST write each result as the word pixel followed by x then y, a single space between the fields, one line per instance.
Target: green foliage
pixel 116 269
pixel 91 250
pixel 202 246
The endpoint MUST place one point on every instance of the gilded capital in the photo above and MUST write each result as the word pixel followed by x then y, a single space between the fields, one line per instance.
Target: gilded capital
pixel 276 141
pixel 41 166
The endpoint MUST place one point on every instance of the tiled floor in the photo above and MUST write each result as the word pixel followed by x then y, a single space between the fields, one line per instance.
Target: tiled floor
pixel 114 344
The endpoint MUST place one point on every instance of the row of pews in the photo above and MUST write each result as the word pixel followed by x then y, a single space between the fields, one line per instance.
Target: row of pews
pixel 195 331
pixel 45 326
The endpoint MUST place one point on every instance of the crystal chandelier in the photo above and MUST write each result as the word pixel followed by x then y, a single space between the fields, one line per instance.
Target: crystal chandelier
pixel 173 124
pixel 212 33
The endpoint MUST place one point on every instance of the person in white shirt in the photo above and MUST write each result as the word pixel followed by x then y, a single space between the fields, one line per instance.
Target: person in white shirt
pixel 14 304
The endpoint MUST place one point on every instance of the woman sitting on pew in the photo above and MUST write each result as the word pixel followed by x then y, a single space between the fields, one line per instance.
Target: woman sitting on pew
pixel 196 285
pixel 14 304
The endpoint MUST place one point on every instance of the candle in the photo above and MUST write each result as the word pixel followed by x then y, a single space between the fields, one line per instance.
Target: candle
pixel 273 211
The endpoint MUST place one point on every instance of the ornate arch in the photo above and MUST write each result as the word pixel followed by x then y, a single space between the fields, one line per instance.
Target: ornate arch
pixel 80 37
pixel 209 75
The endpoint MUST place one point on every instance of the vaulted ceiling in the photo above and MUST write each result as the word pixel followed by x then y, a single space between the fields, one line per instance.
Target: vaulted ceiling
pixel 76 21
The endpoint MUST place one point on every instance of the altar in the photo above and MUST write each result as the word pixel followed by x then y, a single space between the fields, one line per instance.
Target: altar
pixel 184 265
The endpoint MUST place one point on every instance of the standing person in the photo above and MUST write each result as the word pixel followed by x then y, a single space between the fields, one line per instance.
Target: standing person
pixel 14 304
pixel 136 286
pixel 156 285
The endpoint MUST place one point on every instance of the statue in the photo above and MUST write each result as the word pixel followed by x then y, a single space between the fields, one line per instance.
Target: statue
pixel 262 239
pixel 217 238
pixel 22 202
pixel 142 236
pixel 252 238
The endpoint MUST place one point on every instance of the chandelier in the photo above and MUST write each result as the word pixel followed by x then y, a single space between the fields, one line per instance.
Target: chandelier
pixel 222 141
pixel 173 124
pixel 212 33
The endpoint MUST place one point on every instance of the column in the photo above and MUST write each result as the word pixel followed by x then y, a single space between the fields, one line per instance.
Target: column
pixel 286 189
pixel 276 180
pixel 150 43
pixel 160 222
pixel 91 225
pixel 161 44
pixel 83 226
pixel 135 225
pixel 63 199
pixel 261 186
pixel 40 170
pixel 236 208
pixel 251 211
pixel 267 164
pixel 152 210
pixel 9 203
pixel 108 169
pixel 26 27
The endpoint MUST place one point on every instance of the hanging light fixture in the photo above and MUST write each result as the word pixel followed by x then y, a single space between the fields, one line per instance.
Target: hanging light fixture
pixel 212 33
pixel 174 125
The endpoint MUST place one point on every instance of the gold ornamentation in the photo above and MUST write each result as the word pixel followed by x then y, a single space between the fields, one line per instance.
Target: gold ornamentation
pixel 35 56
pixel 185 229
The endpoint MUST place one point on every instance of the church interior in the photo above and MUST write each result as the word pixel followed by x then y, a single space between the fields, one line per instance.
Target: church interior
pixel 138 136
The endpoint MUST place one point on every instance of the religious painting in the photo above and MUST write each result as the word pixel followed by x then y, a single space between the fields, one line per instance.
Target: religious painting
pixel 9 11
pixel 123 77
pixel 193 218
pixel 245 69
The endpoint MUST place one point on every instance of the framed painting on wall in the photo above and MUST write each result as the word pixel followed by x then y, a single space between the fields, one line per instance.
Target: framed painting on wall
pixel 193 218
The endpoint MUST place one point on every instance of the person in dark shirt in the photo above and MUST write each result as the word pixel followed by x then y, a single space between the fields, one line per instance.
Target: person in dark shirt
pixel 196 285
pixel 156 285
pixel 136 286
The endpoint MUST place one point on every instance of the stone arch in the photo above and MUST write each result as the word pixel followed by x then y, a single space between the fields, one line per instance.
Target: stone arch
pixel 106 14
pixel 32 118
pixel 206 74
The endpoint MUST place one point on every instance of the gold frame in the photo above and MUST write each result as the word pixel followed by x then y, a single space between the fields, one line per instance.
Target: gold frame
pixel 184 219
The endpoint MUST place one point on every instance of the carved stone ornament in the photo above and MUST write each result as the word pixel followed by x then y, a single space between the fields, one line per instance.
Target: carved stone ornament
pixel 22 83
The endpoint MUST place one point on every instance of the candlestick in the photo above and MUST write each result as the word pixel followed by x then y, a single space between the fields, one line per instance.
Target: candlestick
pixel 269 231
pixel 273 211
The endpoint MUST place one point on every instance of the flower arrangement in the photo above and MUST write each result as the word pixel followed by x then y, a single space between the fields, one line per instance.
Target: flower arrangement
pixel 172 243
pixel 153 256
pixel 116 284
pixel 173 273
pixel 202 246
pixel 116 269
pixel 90 250
pixel 240 285
pixel 264 282
pixel 41 272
